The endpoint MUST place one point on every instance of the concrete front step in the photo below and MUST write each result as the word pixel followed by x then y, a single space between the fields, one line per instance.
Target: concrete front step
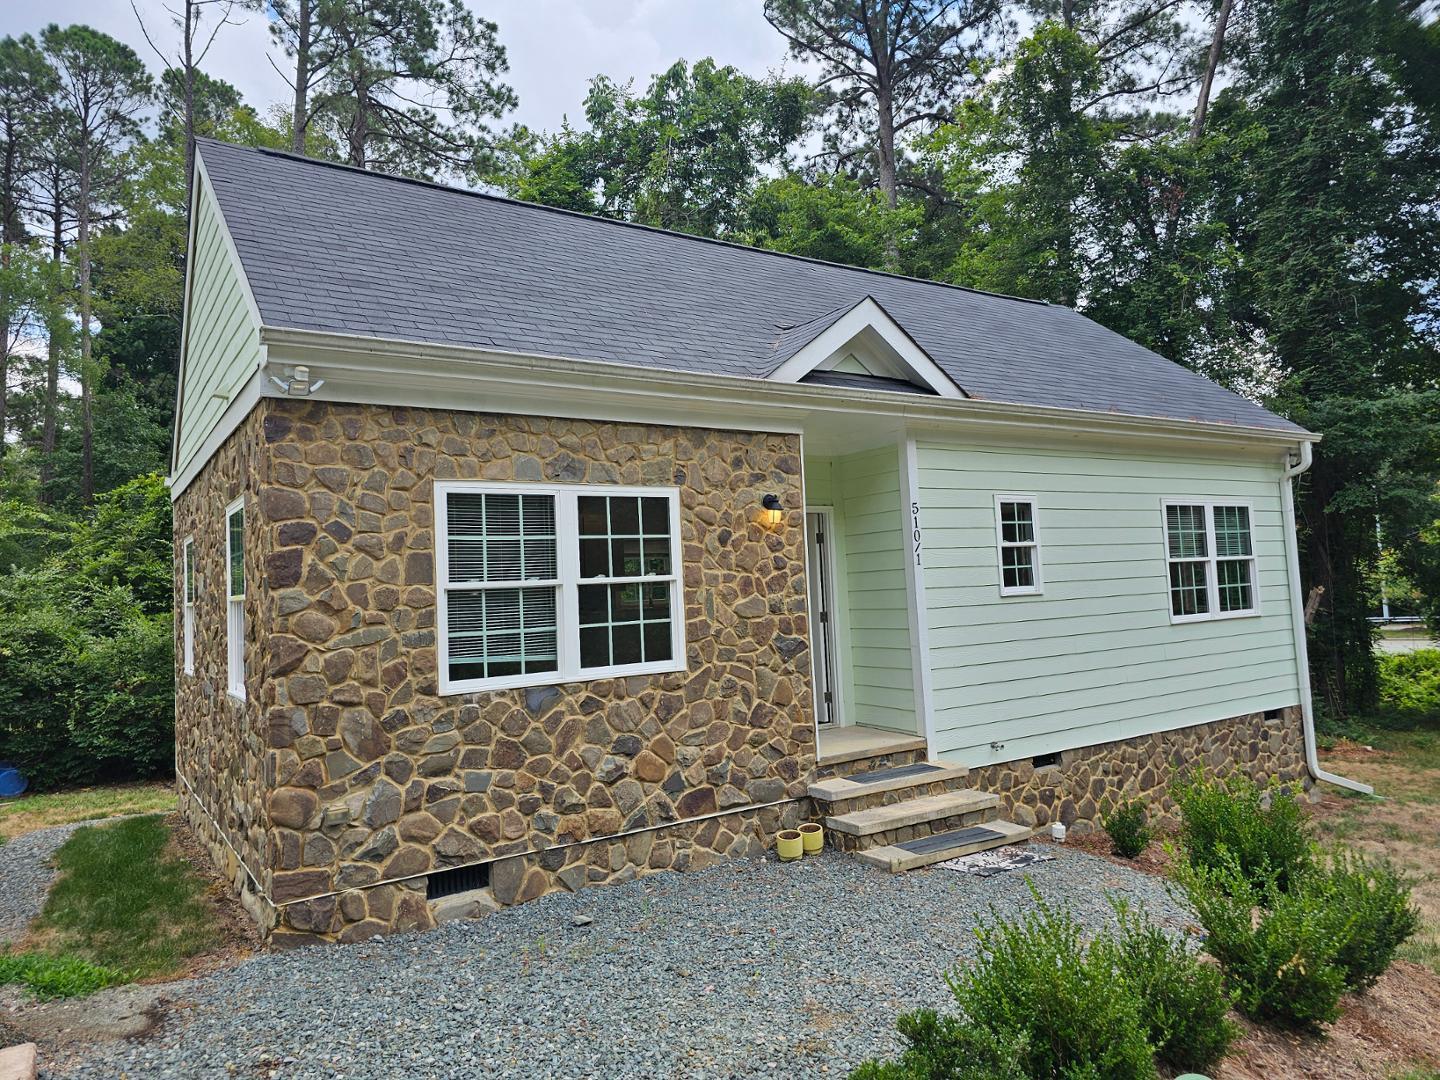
pixel 912 812
pixel 840 789
pixel 938 847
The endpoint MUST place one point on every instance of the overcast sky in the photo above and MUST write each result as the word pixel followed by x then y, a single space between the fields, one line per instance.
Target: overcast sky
pixel 554 46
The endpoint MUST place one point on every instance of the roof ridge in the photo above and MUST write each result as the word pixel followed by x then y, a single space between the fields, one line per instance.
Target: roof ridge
pixel 344 167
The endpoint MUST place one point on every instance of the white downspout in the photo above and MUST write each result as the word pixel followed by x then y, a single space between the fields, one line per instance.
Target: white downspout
pixel 1297 622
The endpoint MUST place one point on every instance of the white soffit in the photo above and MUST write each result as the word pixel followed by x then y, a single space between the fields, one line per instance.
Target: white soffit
pixel 866 335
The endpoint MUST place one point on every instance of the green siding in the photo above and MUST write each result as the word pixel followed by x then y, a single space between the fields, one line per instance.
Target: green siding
pixel 1095 657
pixel 222 335
pixel 873 631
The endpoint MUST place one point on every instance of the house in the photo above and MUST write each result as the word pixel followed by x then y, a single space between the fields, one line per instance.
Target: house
pixel 519 550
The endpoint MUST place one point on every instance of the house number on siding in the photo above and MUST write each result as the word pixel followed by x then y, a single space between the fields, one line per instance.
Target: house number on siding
pixel 915 529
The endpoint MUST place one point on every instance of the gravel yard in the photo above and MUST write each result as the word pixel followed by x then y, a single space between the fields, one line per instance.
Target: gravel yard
pixel 25 876
pixel 747 969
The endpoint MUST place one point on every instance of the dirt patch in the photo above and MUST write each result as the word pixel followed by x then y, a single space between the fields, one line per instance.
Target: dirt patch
pixel 237 936
pixel 1394 1026
pixel 121 1012
pixel 1155 859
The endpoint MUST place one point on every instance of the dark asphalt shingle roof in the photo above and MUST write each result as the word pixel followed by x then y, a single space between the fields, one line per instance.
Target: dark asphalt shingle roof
pixel 335 249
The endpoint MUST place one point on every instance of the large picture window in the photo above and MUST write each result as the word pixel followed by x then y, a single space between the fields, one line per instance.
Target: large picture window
pixel 235 597
pixel 1210 560
pixel 545 584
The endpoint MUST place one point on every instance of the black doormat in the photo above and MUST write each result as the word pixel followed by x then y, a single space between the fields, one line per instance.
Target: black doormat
pixel 920 768
pixel 924 845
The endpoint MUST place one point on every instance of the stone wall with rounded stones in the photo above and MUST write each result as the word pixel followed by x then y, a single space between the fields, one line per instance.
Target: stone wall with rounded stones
pixel 374 778
pixel 220 740
pixel 1083 787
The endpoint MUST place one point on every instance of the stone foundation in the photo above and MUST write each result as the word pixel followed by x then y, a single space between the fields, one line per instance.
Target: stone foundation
pixel 358 914
pixel 1083 786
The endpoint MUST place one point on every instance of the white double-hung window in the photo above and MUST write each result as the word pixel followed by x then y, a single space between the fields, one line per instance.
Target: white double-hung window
pixel 1017 540
pixel 544 584
pixel 1210 560
pixel 235 597
pixel 187 604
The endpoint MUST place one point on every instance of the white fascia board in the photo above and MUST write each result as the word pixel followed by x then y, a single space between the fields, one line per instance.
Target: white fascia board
pixel 867 315
pixel 373 371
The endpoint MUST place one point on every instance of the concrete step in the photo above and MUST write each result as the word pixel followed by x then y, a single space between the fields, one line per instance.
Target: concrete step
pixel 880 819
pixel 899 778
pixel 947 845
pixel 843 746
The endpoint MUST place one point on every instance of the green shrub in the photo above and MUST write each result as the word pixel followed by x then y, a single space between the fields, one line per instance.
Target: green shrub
pixel 1410 682
pixel 122 701
pixel 1125 823
pixel 1034 979
pixel 1230 820
pixel 48 975
pixel 947 1048
pixel 1279 950
pixel 1182 1001
pixel 1370 903
pixel 86 681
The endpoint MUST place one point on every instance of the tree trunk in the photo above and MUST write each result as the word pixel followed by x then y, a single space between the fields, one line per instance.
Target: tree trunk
pixel 300 119
pixel 52 361
pixel 87 427
pixel 4 337
pixel 192 16
pixel 1212 62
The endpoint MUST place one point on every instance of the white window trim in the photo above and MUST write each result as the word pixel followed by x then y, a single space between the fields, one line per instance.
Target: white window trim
pixel 1001 544
pixel 1212 572
pixel 234 617
pixel 568 581
pixel 187 603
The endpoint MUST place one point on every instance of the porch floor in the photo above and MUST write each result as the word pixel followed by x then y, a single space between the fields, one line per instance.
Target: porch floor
pixel 841 744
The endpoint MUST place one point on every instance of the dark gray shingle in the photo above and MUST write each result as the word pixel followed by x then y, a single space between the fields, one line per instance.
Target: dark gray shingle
pixel 335 249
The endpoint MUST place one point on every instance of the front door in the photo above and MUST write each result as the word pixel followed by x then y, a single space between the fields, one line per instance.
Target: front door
pixel 822 622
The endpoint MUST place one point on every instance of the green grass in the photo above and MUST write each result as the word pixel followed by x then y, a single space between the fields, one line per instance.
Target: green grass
pixel 47 975
pixel 30 812
pixel 123 907
pixel 124 901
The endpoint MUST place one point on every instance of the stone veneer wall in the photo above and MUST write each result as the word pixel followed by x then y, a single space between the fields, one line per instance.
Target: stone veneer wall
pixel 368 779
pixel 220 740
pixel 1080 789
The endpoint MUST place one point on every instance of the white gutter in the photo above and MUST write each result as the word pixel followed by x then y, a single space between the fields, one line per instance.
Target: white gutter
pixel 1297 622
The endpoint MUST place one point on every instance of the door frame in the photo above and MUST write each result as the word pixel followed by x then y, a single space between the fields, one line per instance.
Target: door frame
pixel 829 633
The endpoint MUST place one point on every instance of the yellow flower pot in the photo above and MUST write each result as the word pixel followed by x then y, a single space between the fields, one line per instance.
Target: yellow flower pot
pixel 789 845
pixel 812 838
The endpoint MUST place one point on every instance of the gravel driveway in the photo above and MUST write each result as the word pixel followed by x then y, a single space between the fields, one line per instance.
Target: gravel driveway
pixel 25 876
pixel 746 969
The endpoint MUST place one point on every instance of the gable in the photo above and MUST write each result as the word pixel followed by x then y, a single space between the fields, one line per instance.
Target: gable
pixel 862 341
pixel 220 349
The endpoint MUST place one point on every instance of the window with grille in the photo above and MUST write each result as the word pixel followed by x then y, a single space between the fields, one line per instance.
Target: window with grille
pixel 1210 560
pixel 187 605
pixel 235 597
pixel 1018 542
pixel 548 584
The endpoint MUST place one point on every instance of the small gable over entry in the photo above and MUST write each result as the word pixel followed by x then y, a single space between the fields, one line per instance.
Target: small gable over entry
pixel 862 347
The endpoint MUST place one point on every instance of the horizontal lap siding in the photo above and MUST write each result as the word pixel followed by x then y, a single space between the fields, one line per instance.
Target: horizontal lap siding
pixel 1095 657
pixel 223 339
pixel 865 490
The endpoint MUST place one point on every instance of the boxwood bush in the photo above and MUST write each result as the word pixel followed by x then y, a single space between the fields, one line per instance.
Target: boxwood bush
pixel 1235 823
pixel 1125 823
pixel 1038 1002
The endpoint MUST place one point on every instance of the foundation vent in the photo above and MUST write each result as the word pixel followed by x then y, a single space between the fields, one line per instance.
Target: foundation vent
pixel 1045 761
pixel 461 879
